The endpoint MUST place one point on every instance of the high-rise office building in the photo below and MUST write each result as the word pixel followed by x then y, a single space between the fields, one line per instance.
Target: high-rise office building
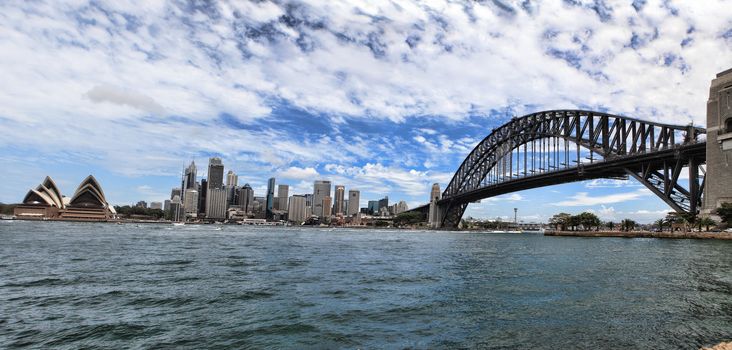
pixel 259 209
pixel 215 173
pixel 373 207
pixel 202 190
pixel 176 212
pixel 338 206
pixel 282 192
pixel 327 206
pixel 231 179
pixel 321 189
pixel 190 205
pixel 270 197
pixel 215 193
pixel 296 210
pixel 231 185
pixel 176 192
pixel 166 204
pixel 384 202
pixel 189 178
pixel 398 208
pixel 354 196
pixel 309 200
pixel 216 199
pixel 188 181
pixel 156 205
pixel 246 199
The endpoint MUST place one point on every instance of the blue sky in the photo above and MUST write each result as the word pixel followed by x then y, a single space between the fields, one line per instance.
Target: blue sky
pixel 387 97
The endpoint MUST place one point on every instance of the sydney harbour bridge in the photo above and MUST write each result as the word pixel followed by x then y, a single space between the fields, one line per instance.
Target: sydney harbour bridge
pixel 677 163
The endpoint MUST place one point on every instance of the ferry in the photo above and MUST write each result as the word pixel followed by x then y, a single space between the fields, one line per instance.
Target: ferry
pixel 502 231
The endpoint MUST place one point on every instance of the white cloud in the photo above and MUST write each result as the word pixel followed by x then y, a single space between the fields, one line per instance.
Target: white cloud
pixel 296 173
pixel 584 199
pixel 107 93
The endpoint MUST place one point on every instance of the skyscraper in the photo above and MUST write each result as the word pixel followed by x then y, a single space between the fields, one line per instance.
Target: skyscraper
pixel 400 207
pixel 327 205
pixel 270 197
pixel 246 198
pixel 339 194
pixel 231 184
pixel 309 200
pixel 282 191
pixel 354 196
pixel 215 173
pixel 189 177
pixel 231 179
pixel 215 193
pixel 203 189
pixel 190 205
pixel 321 189
pixel 175 209
pixel 296 210
pixel 216 199
pixel 373 207
pixel 384 202
pixel 175 192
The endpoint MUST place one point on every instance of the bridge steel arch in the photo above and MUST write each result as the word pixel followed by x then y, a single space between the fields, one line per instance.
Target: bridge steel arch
pixel 600 145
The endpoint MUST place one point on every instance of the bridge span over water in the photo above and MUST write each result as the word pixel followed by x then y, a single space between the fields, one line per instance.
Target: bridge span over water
pixel 560 146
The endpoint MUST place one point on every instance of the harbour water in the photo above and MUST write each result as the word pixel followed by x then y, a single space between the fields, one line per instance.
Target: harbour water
pixel 75 285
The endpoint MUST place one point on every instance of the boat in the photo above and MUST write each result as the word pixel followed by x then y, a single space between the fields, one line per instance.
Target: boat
pixel 501 231
pixel 179 224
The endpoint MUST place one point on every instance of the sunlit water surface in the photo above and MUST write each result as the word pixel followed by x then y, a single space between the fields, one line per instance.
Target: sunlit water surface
pixel 77 285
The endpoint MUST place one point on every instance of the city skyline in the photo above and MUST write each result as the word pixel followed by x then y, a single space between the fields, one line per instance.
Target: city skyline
pixel 374 97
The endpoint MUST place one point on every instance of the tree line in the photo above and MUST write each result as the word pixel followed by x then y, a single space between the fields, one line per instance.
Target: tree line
pixel 128 211
pixel 590 221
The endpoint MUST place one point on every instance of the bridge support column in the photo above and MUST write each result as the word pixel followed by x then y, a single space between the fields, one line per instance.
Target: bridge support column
pixel 718 177
pixel 436 215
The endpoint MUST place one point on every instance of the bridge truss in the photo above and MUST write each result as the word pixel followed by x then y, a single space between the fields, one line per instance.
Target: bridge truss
pixel 560 146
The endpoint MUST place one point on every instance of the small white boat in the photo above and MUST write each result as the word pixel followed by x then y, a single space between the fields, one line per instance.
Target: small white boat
pixel 179 224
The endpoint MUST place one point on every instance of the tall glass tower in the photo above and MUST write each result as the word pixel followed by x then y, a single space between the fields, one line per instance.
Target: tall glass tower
pixel 270 197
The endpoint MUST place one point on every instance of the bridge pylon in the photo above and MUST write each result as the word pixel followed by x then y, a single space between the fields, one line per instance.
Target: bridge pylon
pixel 718 177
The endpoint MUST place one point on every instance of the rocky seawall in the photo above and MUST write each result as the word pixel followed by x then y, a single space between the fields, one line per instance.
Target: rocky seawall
pixel 643 234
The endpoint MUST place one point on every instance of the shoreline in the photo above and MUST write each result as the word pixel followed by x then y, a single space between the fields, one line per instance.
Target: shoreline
pixel 643 234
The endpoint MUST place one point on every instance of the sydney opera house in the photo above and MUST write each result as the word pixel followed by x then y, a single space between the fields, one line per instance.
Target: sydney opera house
pixel 45 202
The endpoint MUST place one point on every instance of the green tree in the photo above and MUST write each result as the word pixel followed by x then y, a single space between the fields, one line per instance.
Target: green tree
pixel 574 221
pixel 660 223
pixel 676 218
pixel 7 209
pixel 409 218
pixel 725 213
pixel 706 222
pixel 560 221
pixel 610 225
pixel 589 220
pixel 628 224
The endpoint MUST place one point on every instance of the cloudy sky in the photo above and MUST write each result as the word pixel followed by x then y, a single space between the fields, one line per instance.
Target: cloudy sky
pixel 384 96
